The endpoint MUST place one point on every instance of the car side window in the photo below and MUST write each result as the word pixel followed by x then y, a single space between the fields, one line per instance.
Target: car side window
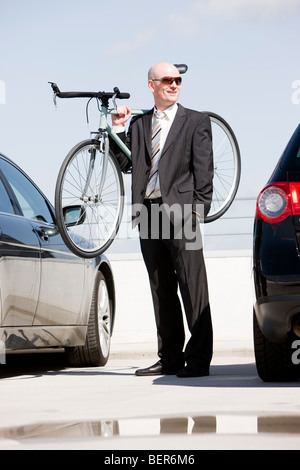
pixel 5 202
pixel 30 200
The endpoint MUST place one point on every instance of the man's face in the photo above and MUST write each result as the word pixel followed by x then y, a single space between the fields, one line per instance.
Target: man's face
pixel 165 94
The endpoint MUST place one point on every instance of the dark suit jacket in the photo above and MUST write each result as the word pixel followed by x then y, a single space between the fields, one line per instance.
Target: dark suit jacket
pixel 186 162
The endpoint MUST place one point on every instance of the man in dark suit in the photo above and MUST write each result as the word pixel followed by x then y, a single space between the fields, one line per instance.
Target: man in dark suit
pixel 172 172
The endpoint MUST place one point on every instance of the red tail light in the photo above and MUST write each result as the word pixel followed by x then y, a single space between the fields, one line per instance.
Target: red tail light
pixel 277 201
pixel 295 197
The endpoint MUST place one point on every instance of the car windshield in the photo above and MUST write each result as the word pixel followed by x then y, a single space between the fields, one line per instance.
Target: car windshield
pixel 291 156
pixel 30 200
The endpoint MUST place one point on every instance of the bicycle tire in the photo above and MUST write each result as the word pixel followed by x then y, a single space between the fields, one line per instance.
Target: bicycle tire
pixel 101 214
pixel 227 167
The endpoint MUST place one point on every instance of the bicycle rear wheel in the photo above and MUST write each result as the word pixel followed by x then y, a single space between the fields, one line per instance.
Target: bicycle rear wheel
pixel 88 216
pixel 227 167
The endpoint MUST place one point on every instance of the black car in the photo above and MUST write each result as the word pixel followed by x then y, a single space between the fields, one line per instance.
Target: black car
pixel 49 298
pixel 276 263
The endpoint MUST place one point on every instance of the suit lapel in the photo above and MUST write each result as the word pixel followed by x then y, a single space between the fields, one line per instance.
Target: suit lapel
pixel 147 124
pixel 175 128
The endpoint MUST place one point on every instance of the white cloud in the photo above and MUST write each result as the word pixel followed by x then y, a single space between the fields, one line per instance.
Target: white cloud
pixel 253 9
pixel 199 15
pixel 139 41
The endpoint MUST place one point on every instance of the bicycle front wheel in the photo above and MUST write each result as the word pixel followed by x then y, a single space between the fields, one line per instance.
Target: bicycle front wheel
pixel 227 167
pixel 89 199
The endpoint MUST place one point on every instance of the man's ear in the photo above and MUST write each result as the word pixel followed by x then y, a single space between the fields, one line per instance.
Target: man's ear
pixel 151 86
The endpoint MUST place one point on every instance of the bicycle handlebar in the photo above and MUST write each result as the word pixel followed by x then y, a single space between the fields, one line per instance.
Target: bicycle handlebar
pixel 89 94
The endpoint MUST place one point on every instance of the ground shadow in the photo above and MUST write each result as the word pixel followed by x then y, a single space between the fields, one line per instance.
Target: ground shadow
pixel 32 364
pixel 221 376
pixel 225 376
pixel 54 363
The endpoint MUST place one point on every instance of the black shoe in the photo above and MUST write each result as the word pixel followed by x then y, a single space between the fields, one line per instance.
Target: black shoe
pixel 193 370
pixel 157 369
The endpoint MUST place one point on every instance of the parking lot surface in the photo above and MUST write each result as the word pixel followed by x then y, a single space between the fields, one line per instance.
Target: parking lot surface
pixel 46 405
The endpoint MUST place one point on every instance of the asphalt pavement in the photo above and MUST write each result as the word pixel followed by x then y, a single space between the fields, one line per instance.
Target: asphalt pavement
pixel 47 405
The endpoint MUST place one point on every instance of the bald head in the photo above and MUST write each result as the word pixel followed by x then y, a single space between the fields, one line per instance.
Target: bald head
pixel 162 69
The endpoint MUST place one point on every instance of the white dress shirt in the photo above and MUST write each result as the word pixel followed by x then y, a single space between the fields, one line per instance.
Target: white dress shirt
pixel 166 124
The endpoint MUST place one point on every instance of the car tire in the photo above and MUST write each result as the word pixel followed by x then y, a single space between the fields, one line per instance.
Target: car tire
pixel 273 360
pixel 95 351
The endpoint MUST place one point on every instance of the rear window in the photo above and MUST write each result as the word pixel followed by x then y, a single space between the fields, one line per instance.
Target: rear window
pixel 291 157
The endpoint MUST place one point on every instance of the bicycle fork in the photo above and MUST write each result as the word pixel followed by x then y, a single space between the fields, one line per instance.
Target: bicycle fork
pixel 104 149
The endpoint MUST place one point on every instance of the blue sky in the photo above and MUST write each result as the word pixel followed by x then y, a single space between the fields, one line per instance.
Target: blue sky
pixel 243 59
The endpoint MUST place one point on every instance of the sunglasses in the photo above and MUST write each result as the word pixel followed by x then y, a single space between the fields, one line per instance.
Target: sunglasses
pixel 168 80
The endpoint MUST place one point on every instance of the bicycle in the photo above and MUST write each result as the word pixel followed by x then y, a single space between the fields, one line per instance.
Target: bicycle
pixel 89 193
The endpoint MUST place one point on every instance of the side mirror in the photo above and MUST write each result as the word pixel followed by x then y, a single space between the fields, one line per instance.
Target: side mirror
pixel 74 215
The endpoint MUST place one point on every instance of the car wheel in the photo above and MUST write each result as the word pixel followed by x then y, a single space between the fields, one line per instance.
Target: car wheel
pixel 95 351
pixel 274 360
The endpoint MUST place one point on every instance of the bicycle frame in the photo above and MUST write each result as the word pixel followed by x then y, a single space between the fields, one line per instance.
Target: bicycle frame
pixel 105 127
pixel 104 131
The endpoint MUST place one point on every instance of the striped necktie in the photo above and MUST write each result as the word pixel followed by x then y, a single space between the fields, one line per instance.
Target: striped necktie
pixel 155 152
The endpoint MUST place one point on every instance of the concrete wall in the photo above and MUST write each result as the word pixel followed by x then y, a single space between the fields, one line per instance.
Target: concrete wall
pixel 231 298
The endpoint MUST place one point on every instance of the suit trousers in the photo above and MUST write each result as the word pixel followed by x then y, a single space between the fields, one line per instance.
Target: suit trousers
pixel 171 261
